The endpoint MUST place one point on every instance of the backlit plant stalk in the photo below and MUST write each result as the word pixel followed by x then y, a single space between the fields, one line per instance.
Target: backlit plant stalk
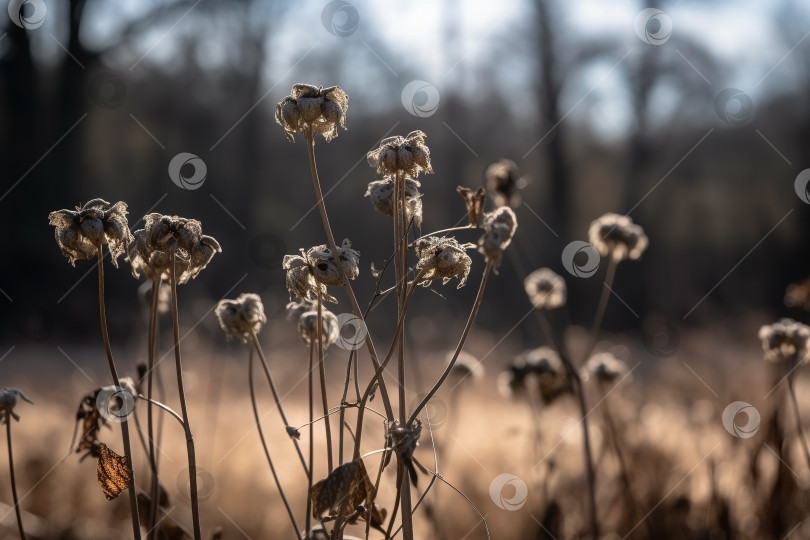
pixel 8 400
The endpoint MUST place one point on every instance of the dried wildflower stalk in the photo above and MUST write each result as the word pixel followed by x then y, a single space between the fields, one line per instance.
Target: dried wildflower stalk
pixel 8 400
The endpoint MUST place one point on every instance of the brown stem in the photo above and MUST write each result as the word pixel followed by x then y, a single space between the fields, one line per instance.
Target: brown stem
pixel 13 480
pixel 133 502
pixel 333 247
pixel 311 440
pixel 322 369
pixel 467 327
pixel 602 307
pixel 799 427
pixel 274 391
pixel 150 428
pixel 264 443
pixel 192 458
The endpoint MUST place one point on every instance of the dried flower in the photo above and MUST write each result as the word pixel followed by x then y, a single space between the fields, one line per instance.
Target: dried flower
pixel 545 288
pixel 298 307
pixel 797 295
pixel 785 341
pixel 301 282
pixel 243 317
pixel 604 368
pixel 323 267
pixel 503 182
pixel 82 232
pixel 617 236
pixel 539 361
pixel 381 193
pixel 308 327
pixel 313 109
pixel 164 296
pixel 466 367
pixel 539 368
pixel 402 155
pixel 499 228
pixel 474 200
pixel 442 258
pixel 163 236
pixel 8 400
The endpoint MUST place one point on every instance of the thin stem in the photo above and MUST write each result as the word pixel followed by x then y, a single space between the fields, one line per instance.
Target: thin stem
pixel 799 427
pixel 576 382
pixel 322 369
pixel 264 443
pixel 133 502
pixel 435 233
pixel 602 307
pixel 311 439
pixel 333 247
pixel 274 391
pixel 467 327
pixel 342 408
pixel 13 480
pixel 164 407
pixel 401 269
pixel 150 428
pixel 192 458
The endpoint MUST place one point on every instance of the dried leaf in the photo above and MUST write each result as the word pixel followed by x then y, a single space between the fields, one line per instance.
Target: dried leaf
pixel 91 422
pixel 114 472
pixel 474 200
pixel 342 492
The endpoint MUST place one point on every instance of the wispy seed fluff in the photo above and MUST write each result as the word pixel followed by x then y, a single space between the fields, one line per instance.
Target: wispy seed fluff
pixel 407 155
pixel 545 289
pixel 80 233
pixel 313 108
pixel 617 236
pixel 241 318
pixel 499 228
pixel 381 193
pixel 442 258
pixel 785 341
pixel 604 368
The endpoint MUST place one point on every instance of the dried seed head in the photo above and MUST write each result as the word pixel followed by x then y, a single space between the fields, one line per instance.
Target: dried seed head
pixel 164 296
pixel 797 295
pixel 474 200
pixel 545 289
pixel 539 361
pixel 503 182
pixel 381 193
pixel 323 267
pixel 150 252
pixel 467 367
pixel 308 327
pixel 604 368
pixel 499 228
pixel 8 400
pixel 785 341
pixel 80 233
pixel 301 282
pixel 313 109
pixel 617 236
pixel 243 317
pixel 407 155
pixel 539 370
pixel 442 258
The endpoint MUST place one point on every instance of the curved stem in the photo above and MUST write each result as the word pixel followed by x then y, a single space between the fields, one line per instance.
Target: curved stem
pixel 333 247
pixel 164 407
pixel 264 443
pixel 192 457
pixel 150 427
pixel 602 307
pixel 133 502
pixel 799 427
pixel 13 480
pixel 467 327
pixel 274 391
pixel 322 370
pixel 442 231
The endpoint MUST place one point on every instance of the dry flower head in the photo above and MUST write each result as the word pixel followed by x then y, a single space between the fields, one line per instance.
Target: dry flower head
pixel 80 233
pixel 381 193
pixel 785 341
pixel 503 181
pixel 8 400
pixel 617 236
pixel 545 289
pixel 604 368
pixel 241 318
pixel 499 228
pixel 408 156
pixel 322 263
pixel 314 109
pixel 442 258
